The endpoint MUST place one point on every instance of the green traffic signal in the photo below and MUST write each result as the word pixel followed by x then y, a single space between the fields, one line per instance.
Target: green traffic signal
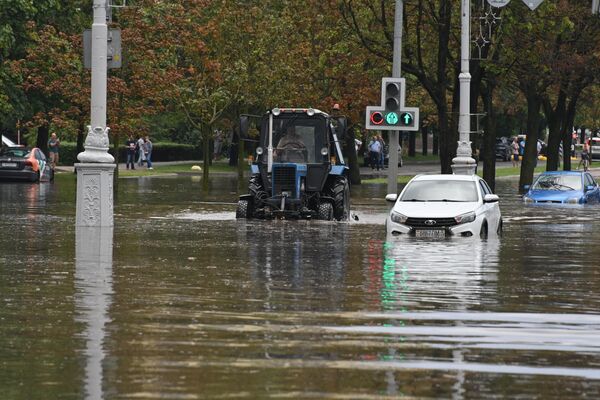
pixel 406 119
pixel 391 118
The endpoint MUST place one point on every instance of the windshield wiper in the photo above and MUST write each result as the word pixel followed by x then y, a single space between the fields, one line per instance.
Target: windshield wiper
pixel 415 200
pixel 452 201
pixel 562 186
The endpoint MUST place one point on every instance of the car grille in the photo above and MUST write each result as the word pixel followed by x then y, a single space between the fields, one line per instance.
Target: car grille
pixel 430 222
pixel 284 179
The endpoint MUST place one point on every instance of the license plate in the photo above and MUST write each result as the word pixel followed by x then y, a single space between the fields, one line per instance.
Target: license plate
pixel 430 233
pixel 9 165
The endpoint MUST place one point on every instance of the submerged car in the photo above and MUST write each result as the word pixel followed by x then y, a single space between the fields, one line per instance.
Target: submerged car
pixel 563 187
pixel 25 164
pixel 444 205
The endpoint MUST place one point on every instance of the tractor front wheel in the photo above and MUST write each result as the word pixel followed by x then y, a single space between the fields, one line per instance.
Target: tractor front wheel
pixel 325 212
pixel 243 210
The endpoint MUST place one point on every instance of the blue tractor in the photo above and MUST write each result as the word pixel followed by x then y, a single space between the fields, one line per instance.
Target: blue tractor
pixel 299 171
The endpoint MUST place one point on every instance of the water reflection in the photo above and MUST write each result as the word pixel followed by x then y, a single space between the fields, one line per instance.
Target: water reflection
pixel 93 297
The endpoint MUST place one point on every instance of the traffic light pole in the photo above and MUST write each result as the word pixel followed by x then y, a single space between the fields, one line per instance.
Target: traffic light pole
pixel 463 163
pixel 392 181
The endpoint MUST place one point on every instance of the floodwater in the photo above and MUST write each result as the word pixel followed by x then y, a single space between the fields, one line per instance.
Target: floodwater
pixel 181 301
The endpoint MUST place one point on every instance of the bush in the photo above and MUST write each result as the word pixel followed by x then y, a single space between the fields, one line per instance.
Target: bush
pixel 161 151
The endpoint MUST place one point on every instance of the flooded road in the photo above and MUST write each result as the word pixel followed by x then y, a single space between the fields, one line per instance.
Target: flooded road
pixel 192 304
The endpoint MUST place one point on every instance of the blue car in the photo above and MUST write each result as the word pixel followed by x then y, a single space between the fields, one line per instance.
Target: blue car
pixel 563 187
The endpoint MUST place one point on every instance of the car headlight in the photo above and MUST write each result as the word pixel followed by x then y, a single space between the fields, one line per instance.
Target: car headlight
pixel 573 200
pixel 465 218
pixel 527 199
pixel 398 218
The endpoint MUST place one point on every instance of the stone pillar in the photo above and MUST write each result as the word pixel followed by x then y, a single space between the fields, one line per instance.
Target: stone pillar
pixel 95 194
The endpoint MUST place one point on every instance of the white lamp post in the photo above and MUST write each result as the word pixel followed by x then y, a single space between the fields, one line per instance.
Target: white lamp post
pixel 463 163
pixel 95 172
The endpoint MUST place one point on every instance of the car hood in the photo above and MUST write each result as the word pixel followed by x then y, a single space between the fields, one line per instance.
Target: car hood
pixel 434 209
pixel 553 195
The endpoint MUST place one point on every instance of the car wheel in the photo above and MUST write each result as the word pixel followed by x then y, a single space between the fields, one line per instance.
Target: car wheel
pixel 499 231
pixel 483 233
pixel 36 177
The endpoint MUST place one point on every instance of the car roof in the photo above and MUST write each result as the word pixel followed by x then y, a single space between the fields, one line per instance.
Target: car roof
pixel 562 173
pixel 446 177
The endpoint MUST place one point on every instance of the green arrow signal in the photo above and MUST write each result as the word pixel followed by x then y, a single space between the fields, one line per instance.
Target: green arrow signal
pixel 406 118
pixel 391 118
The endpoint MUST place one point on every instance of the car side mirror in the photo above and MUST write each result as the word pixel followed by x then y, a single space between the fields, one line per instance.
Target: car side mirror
pixel 392 197
pixel 526 187
pixel 491 198
pixel 589 187
pixel 244 126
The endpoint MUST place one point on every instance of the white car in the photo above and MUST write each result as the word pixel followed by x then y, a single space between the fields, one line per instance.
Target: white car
pixel 444 205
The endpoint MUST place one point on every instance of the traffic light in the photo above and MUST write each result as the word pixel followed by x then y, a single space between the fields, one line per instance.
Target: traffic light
pixel 391 114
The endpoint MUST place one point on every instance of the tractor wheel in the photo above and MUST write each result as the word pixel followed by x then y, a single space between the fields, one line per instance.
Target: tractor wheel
pixel 340 192
pixel 325 212
pixel 257 190
pixel 243 210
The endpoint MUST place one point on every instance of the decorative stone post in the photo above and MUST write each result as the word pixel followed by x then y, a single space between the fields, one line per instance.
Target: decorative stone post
pixel 95 172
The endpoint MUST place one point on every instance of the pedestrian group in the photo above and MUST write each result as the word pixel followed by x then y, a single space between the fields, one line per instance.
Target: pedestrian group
pixel 140 148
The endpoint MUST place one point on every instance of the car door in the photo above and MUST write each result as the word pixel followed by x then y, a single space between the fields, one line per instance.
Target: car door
pixel 491 210
pixel 43 163
pixel 591 196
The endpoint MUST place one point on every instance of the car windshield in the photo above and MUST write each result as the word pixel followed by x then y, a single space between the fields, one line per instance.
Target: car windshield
pixel 10 152
pixel 440 190
pixel 558 182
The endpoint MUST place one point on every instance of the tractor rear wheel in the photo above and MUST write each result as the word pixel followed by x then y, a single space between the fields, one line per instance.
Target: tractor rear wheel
pixel 325 212
pixel 243 210
pixel 340 192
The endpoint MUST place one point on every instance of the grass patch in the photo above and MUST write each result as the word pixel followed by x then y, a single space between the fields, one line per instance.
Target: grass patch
pixel 401 179
pixel 175 169
pixel 511 171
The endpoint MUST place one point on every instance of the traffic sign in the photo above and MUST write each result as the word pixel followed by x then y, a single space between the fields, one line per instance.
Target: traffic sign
pixel 532 4
pixel 498 3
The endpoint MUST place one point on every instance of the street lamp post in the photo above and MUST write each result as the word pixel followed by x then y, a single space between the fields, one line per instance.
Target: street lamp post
pixel 95 170
pixel 463 163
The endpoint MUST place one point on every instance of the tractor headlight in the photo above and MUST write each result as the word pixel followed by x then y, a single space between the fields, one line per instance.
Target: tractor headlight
pixel 324 151
pixel 259 151
pixel 310 112
pixel 573 200
pixel 465 218
pixel 276 111
pixel 398 218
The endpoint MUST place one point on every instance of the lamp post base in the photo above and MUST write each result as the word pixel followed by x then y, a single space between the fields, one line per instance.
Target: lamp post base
pixel 463 166
pixel 94 194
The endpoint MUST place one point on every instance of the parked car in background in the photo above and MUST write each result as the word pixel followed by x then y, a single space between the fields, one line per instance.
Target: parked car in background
pixel 25 164
pixel 502 149
pixel 437 206
pixel 563 187
pixel 595 147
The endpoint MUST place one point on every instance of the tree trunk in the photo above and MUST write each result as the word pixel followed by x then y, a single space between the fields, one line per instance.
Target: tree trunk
pixel 424 139
pixel 489 136
pixel 567 131
pixel 556 118
pixel 42 139
pixel 533 123
pixel 206 155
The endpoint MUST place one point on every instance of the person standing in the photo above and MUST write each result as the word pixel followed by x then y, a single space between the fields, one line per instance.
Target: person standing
pixel 141 154
pixel 148 152
pixel 515 152
pixel 382 152
pixel 374 152
pixel 53 148
pixel 131 145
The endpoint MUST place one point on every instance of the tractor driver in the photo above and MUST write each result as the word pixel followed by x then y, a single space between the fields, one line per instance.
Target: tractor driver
pixel 292 147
